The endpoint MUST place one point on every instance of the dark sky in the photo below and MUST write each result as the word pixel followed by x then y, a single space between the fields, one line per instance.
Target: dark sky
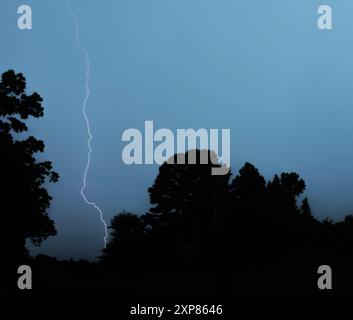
pixel 261 68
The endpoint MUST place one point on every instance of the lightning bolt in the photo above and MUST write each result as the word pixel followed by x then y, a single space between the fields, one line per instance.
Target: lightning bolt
pixel 90 136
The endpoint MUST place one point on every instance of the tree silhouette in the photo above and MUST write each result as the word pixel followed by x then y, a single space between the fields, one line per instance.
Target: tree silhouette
pixel 284 191
pixel 189 197
pixel 248 185
pixel 125 252
pixel 24 199
pixel 267 219
pixel 248 218
pixel 248 192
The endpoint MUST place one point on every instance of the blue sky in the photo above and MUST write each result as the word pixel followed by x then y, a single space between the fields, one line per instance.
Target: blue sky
pixel 261 68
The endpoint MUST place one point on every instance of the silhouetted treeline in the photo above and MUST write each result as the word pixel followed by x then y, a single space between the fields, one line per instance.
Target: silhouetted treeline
pixel 202 222
pixel 241 228
pixel 258 233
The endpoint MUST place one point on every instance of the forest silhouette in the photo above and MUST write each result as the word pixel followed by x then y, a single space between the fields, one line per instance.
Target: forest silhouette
pixel 204 236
